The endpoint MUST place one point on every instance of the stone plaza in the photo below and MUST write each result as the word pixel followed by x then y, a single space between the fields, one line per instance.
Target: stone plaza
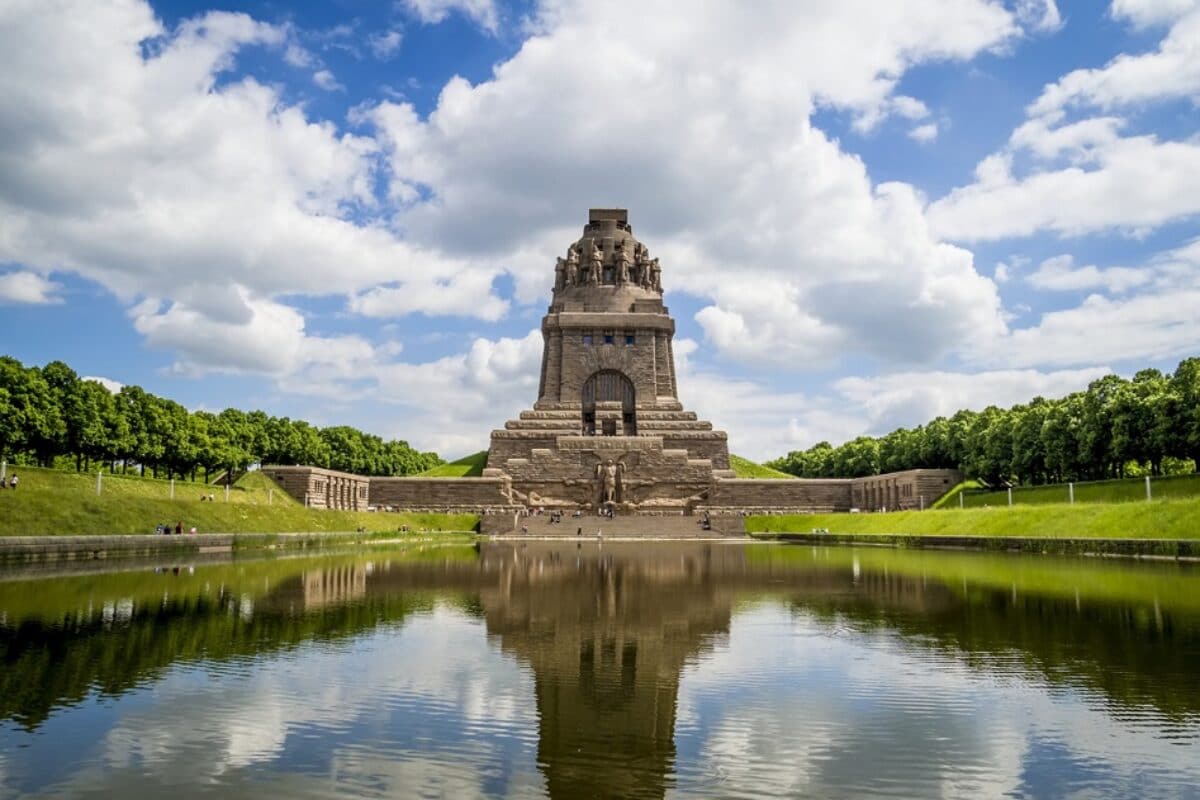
pixel 607 434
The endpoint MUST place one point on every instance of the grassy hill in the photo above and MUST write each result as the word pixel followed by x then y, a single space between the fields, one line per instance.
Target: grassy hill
pixel 1175 487
pixel 466 467
pixel 745 468
pixel 54 502
pixel 1160 519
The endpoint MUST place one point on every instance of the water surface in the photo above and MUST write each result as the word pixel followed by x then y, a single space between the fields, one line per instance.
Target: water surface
pixel 614 670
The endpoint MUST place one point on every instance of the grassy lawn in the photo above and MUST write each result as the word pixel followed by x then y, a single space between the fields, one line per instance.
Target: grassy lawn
pixel 1160 519
pixel 1174 487
pixel 466 467
pixel 53 502
pixel 745 468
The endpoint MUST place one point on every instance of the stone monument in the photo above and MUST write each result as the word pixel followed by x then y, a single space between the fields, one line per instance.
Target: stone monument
pixel 608 432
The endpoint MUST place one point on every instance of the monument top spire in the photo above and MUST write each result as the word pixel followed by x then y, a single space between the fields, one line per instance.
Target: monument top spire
pixel 607 266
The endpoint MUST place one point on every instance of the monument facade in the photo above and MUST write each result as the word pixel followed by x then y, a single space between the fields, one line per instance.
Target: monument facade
pixel 608 431
pixel 607 434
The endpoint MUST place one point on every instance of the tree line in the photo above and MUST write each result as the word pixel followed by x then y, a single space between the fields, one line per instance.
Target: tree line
pixel 49 413
pixel 1116 428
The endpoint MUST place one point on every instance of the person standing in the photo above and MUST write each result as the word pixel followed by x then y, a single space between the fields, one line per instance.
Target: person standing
pixel 179 528
pixel 13 483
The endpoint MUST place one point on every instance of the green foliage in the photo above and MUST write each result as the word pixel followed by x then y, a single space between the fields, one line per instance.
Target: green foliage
pixel 1115 429
pixel 745 468
pixel 51 502
pixel 466 467
pixel 1160 519
pixel 49 413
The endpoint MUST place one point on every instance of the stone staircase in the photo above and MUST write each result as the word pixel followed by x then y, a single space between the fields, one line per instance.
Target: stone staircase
pixel 620 527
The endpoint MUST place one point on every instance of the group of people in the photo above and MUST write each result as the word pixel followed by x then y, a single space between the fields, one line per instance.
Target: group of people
pixel 166 530
pixel 209 497
pixel 11 483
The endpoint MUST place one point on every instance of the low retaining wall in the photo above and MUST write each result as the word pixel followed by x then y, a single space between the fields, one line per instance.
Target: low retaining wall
pixel 1143 548
pixel 471 495
pixel 801 494
pixel 36 548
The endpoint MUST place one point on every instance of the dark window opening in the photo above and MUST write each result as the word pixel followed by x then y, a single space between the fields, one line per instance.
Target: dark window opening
pixel 630 424
pixel 587 338
pixel 630 339
pixel 589 423
pixel 610 427
pixel 609 337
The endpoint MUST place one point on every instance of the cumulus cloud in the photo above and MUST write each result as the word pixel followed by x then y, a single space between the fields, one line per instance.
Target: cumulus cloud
pixel 1172 71
pixel 324 79
pixel 23 286
pixel 482 12
pixel 1090 177
pixel 1060 273
pixel 385 44
pixel 924 133
pixel 712 147
pixel 1143 13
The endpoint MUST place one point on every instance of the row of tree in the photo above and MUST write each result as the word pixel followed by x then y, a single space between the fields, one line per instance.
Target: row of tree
pixel 48 413
pixel 1114 429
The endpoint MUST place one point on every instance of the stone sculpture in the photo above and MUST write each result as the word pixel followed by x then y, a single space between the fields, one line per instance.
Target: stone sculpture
pixel 623 264
pixel 609 475
pixel 572 268
pixel 560 274
pixel 595 265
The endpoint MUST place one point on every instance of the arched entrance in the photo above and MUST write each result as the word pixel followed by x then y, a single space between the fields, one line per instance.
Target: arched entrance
pixel 609 386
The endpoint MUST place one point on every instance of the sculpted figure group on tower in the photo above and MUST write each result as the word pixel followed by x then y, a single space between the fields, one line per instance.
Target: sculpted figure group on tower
pixel 637 269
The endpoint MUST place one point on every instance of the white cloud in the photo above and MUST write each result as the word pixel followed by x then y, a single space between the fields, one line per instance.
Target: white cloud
pixel 906 399
pixel 1143 13
pixel 23 286
pixel 1137 184
pixel 1041 16
pixel 108 383
pixel 385 44
pixel 231 331
pixel 924 133
pixel 482 12
pixel 325 79
pixel 1062 275
pixel 1171 71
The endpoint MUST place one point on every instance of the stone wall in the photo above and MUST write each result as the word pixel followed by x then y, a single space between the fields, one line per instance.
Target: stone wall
pixel 468 495
pixel 912 489
pixel 321 488
pixel 780 496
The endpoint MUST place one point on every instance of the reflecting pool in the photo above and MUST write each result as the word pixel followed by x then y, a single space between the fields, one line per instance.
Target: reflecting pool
pixel 603 670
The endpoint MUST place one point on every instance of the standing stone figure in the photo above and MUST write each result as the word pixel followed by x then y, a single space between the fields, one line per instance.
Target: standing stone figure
pixel 641 265
pixel 595 265
pixel 572 269
pixel 609 476
pixel 560 274
pixel 623 264
pixel 655 276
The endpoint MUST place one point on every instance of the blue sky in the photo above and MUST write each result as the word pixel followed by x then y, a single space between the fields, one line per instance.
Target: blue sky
pixel 349 211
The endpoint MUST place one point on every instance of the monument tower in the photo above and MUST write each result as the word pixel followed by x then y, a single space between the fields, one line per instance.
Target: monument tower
pixel 608 429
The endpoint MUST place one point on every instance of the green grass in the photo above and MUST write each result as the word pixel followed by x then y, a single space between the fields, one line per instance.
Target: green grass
pixel 1160 519
pixel 745 468
pixel 1115 491
pixel 53 502
pixel 950 498
pixel 466 467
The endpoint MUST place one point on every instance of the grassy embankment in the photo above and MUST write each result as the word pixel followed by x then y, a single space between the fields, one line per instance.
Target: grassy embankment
pixel 1175 487
pixel 1159 519
pixel 466 467
pixel 51 502
pixel 745 468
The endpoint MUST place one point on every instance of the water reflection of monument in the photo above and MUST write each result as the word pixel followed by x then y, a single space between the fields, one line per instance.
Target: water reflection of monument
pixel 607 639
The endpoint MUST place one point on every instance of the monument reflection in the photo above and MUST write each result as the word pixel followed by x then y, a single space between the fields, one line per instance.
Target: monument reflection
pixel 607 630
